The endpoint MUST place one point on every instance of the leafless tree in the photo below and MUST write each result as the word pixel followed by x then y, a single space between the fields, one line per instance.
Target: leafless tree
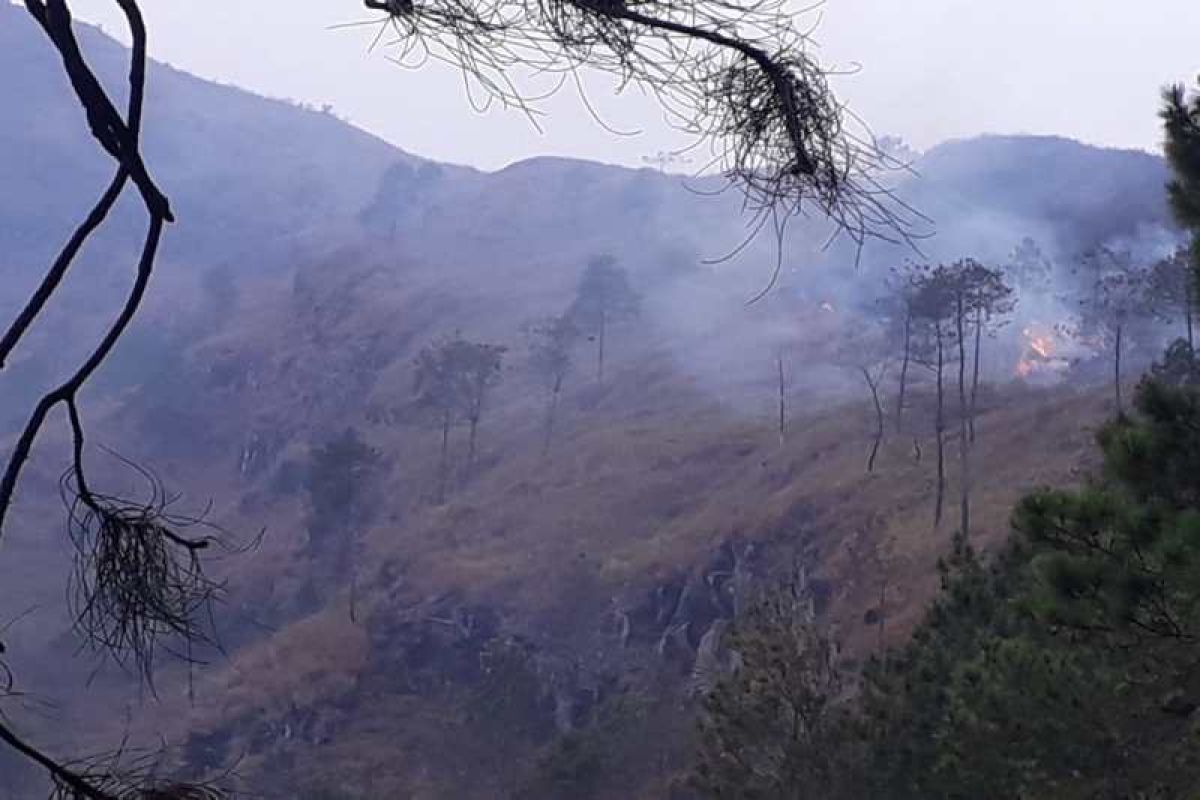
pixel 873 379
pixel 868 352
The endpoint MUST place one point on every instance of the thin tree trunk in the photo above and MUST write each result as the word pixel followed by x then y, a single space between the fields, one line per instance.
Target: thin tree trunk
pixel 904 369
pixel 883 587
pixel 964 449
pixel 600 349
pixel 1187 308
pixel 191 672
pixel 471 441
pixel 782 419
pixel 939 430
pixel 444 465
pixel 1117 369
pixel 551 412
pixel 975 373
pixel 354 595
pixel 873 385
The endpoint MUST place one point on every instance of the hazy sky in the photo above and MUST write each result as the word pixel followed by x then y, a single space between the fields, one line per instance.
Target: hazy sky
pixel 930 70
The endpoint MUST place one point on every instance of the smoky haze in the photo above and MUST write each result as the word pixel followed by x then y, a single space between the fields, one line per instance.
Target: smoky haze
pixel 276 368
pixel 926 71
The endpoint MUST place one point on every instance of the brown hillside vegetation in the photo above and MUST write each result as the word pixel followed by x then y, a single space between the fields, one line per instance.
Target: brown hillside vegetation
pixel 551 548
pixel 483 573
pixel 664 485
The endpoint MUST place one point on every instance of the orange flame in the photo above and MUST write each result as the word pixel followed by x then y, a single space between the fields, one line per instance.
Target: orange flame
pixel 1039 351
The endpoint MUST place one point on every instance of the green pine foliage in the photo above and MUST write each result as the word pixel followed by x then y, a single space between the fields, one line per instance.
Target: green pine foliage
pixel 778 726
pixel 1065 666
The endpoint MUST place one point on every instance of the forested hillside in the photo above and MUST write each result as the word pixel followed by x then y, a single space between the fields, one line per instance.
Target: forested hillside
pixel 526 599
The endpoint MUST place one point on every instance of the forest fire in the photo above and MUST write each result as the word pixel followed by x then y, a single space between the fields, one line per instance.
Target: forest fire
pixel 1039 354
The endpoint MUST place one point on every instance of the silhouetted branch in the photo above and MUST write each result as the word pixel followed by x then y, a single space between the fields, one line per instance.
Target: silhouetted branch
pixel 736 75
pixel 108 778
pixel 137 578
pixel 115 134
pixel 62 263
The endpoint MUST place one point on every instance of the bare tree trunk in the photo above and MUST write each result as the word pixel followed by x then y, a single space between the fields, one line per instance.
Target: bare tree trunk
pixel 551 412
pixel 600 349
pixel 1189 298
pixel 904 368
pixel 191 673
pixel 975 373
pixel 964 449
pixel 474 421
pixel 873 385
pixel 1117 369
pixel 939 430
pixel 444 464
pixel 883 587
pixel 782 419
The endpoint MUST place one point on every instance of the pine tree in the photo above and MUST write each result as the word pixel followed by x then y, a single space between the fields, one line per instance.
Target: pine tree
pixel 1180 116
pixel 604 298
pixel 1119 298
pixel 551 341
pixel 451 382
pixel 933 313
pixel 778 727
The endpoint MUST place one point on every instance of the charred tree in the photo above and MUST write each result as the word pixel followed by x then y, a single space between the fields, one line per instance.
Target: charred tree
pixel 868 352
pixel 873 381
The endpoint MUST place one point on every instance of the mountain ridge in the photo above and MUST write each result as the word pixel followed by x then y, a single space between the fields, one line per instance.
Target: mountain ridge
pixel 311 264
